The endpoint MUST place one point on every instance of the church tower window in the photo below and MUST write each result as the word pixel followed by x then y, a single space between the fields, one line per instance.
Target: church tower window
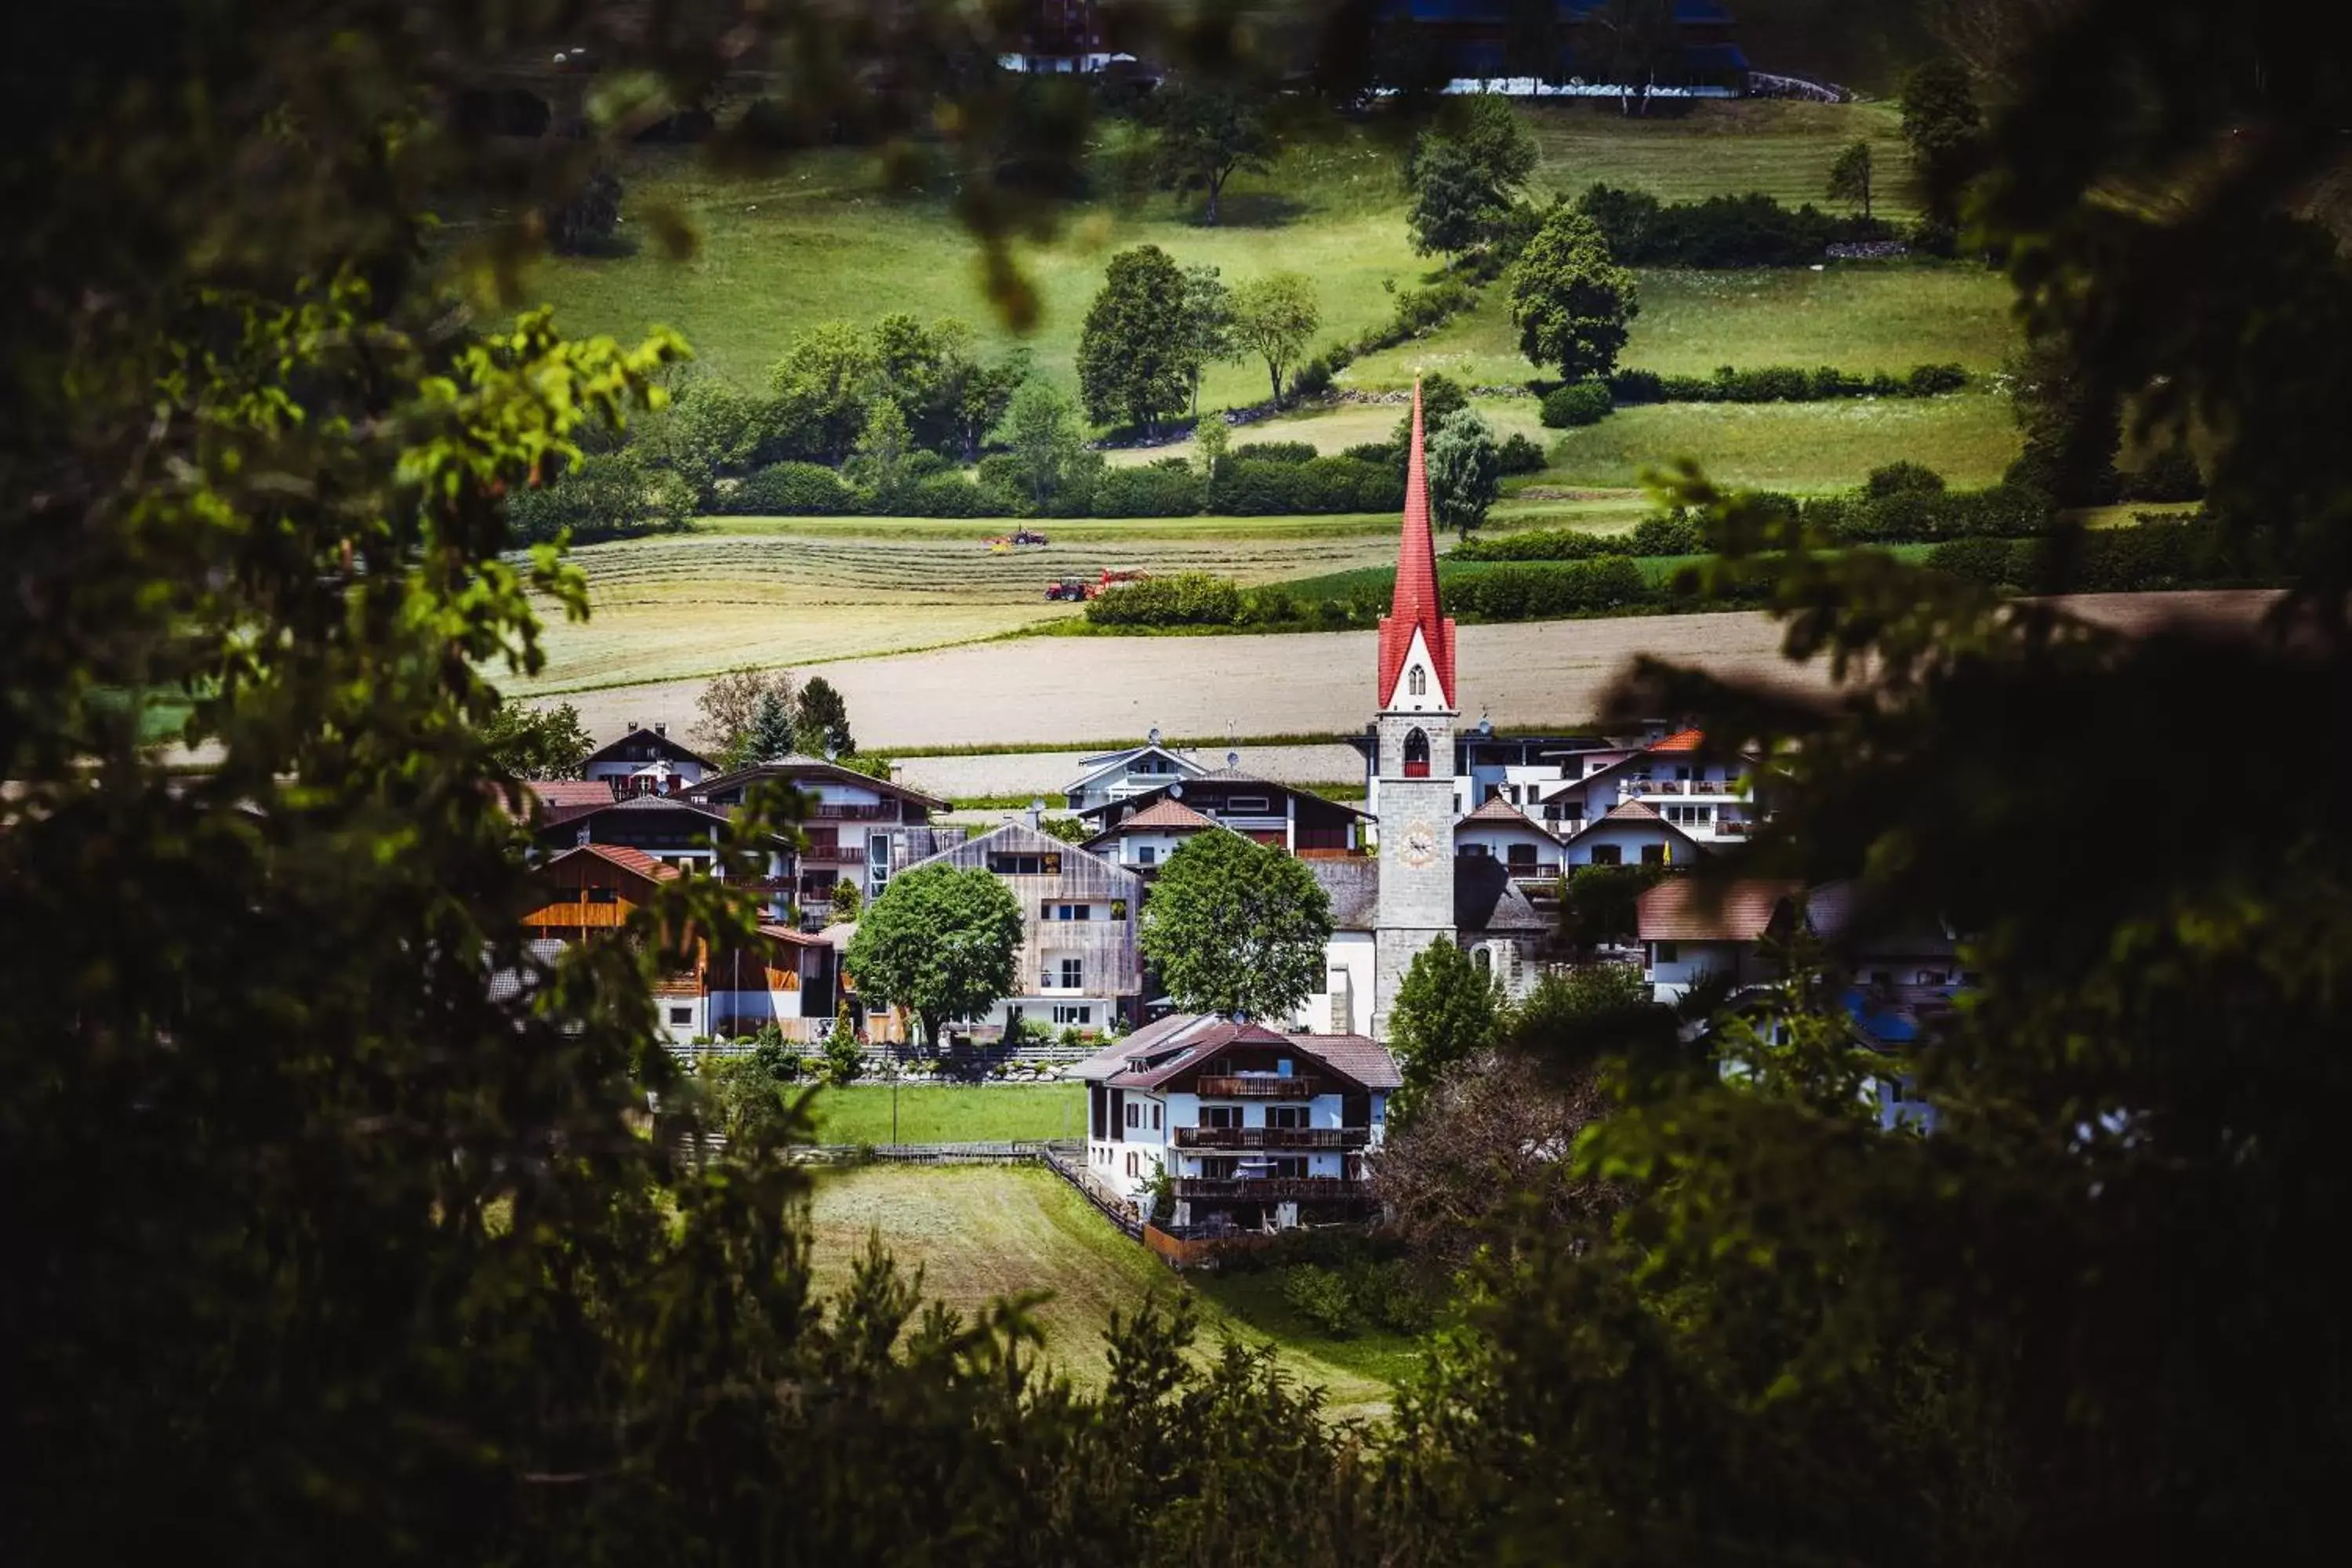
pixel 1416 755
pixel 1416 684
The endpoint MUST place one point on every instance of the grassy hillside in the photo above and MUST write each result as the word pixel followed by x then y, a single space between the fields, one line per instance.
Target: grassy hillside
pixel 816 242
pixel 934 1113
pixel 982 1232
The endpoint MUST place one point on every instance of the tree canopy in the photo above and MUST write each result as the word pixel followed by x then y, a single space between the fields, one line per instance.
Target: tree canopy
pixel 1135 351
pixel 547 742
pixel 820 718
pixel 1570 300
pixel 1234 926
pixel 1207 132
pixel 1465 471
pixel 940 943
pixel 1447 1010
pixel 1275 317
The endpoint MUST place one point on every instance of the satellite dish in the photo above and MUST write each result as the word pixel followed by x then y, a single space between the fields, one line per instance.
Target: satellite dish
pixel 1233 759
pixel 1154 736
pixel 1175 791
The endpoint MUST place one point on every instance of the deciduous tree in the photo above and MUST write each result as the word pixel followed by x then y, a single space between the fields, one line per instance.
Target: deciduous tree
pixel 1136 349
pixel 1850 177
pixel 1465 471
pixel 1571 301
pixel 1275 317
pixel 940 943
pixel 1447 1010
pixel 1232 926
pixel 1208 323
pixel 531 742
pixel 1943 128
pixel 1207 132
pixel 821 390
pixel 729 704
pixel 1040 431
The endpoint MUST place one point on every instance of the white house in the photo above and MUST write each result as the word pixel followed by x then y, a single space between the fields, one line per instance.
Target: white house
pixel 1630 834
pixel 1122 775
pixel 1142 842
pixel 1502 832
pixel 1257 1130
pixel 646 762
pixel 1692 933
pixel 850 816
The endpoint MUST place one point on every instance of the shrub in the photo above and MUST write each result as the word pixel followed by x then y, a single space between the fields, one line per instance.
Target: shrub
pixel 1934 380
pixel 1781 384
pixel 1544 590
pixel 1313 378
pixel 791 490
pixel 952 495
pixel 1253 488
pixel 1277 452
pixel 1321 1296
pixel 1518 455
pixel 1635 386
pixel 1902 478
pixel 1751 230
pixel 605 495
pixel 1537 545
pixel 1666 534
pixel 1149 491
pixel 1984 560
pixel 1577 403
pixel 1382 453
pixel 2170 475
pixel 844 1058
pixel 1181 599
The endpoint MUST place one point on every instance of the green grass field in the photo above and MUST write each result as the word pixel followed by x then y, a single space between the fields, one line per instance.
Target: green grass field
pixel 937 1113
pixel 979 1232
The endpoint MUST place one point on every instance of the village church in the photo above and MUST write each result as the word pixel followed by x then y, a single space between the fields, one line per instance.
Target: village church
pixel 1416 890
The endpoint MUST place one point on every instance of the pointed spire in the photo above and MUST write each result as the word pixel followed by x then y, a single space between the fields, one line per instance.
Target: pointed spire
pixel 1416 607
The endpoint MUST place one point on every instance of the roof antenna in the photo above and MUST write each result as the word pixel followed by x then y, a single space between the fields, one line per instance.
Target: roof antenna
pixel 1153 738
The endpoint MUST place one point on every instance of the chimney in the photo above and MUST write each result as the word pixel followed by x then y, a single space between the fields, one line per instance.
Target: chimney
pixel 898 772
pixel 1036 813
pixel 661 726
pixel 633 726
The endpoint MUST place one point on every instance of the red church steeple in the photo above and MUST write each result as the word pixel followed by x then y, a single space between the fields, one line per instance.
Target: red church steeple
pixel 1415 607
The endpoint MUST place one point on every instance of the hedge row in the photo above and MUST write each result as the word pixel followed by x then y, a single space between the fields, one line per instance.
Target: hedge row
pixel 1783 384
pixel 1180 599
pixel 2153 554
pixel 812 489
pixel 1418 310
pixel 1753 230
pixel 1252 485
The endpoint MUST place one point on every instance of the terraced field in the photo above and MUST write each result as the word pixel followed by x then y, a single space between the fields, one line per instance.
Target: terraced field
pixel 686 607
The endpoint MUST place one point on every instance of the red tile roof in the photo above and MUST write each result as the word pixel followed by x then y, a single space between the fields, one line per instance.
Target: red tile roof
pixel 1167 816
pixel 1682 741
pixel 792 938
pixel 626 858
pixel 554 794
pixel 1415 607
pixel 1498 809
pixel 1682 909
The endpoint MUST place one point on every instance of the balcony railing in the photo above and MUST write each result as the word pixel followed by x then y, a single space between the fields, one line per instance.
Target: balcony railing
pixel 839 811
pixel 833 855
pixel 1533 870
pixel 1256 1085
pixel 1268 1188
pixel 1642 787
pixel 1273 1137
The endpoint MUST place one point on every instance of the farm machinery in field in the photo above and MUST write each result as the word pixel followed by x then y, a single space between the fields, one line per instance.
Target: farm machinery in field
pixel 1080 588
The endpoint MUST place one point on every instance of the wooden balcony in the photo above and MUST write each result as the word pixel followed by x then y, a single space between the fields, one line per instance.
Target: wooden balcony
pixel 833 855
pixel 1272 1137
pixel 839 811
pixel 1268 1189
pixel 1257 1086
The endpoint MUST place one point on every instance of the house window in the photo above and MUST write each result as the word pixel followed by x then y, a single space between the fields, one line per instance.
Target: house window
pixel 1067 912
pixel 1667 953
pixel 1155 1116
pixel 1014 865
pixel 1130 1162
pixel 602 895
pixel 1220 1116
pixel 681 1014
pixel 1416 683
pixel 1293 1116
pixel 1065 1013
pixel 1147 854
pixel 1522 855
pixel 1608 854
pixel 1073 973
pixel 1134 1119
pixel 1483 957
pixel 1416 755
pixel 1654 854
pixel 1247 805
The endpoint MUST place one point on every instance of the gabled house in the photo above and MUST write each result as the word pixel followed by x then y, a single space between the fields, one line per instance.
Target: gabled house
pixel 1257 1130
pixel 1143 841
pixel 1629 834
pixel 1692 932
pixel 1122 775
pixel 1503 833
pixel 1277 813
pixel 1699 791
pixel 847 826
pixel 1079 965
pixel 646 762
pixel 550 797
pixel 677 830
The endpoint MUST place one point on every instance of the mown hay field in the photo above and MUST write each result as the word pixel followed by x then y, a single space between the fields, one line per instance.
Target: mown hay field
pixel 983 1232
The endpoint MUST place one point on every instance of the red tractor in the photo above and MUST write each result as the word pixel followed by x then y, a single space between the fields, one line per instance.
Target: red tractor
pixel 1071 588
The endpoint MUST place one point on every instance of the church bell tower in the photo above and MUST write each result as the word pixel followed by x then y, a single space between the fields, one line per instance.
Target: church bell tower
pixel 1415 730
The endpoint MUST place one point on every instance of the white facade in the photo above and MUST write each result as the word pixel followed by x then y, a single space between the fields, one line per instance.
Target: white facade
pixel 1674 968
pixel 1122 775
pixel 1148 849
pixel 1628 842
pixel 1344 1006
pixel 1526 848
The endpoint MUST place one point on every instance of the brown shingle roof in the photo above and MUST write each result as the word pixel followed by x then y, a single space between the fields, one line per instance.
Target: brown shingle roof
pixel 1498 809
pixel 1167 816
pixel 1360 1056
pixel 1683 909
pixel 556 795
pixel 626 857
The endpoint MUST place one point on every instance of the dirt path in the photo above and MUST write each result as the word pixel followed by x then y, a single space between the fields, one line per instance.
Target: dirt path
pixel 1060 693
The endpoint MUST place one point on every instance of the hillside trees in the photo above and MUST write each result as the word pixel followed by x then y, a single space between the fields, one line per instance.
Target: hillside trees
pixel 1447 1010
pixel 729 706
pixel 940 943
pixel 1234 926
pixel 1638 43
pixel 1465 471
pixel 1942 126
pixel 1466 175
pixel 537 742
pixel 1205 133
pixel 1571 301
pixel 1850 177
pixel 821 390
pixel 1135 353
pixel 1208 324
pixel 1044 444
pixel 1275 317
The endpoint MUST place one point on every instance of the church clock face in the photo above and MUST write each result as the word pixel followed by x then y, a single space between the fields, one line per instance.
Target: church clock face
pixel 1420 843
